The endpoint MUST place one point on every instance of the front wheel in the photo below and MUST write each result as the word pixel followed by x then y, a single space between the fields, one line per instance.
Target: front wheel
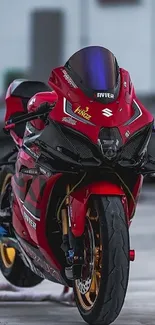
pixel 101 291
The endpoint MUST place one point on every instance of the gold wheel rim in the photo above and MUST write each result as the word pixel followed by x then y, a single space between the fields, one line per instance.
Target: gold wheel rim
pixel 7 254
pixel 6 181
pixel 88 299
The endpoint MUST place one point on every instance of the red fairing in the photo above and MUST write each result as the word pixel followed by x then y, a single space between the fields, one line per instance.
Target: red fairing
pixel 88 116
pixel 80 198
pixel 33 204
pixel 17 218
pixel 135 193
pixel 36 101
pixel 41 233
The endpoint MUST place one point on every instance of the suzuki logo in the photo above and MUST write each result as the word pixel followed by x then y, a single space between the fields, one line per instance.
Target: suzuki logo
pixel 107 112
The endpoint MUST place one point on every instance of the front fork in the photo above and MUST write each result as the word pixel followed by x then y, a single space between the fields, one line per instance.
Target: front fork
pixel 72 246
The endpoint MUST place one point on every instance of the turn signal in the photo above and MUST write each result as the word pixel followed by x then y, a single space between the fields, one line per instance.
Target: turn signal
pixel 132 255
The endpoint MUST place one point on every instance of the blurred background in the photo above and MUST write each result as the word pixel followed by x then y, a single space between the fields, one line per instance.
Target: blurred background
pixel 38 35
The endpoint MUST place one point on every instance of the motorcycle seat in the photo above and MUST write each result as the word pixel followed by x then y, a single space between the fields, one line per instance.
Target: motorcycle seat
pixel 23 88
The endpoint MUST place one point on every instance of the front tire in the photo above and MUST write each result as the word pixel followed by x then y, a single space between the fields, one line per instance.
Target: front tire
pixel 100 294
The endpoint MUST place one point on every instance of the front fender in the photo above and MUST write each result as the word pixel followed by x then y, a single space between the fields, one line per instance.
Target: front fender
pixel 80 198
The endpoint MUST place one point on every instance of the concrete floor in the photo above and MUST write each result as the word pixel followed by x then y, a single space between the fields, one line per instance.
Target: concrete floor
pixel 139 307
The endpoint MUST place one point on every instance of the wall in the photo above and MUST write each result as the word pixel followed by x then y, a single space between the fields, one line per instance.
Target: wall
pixel 125 30
pixel 15 30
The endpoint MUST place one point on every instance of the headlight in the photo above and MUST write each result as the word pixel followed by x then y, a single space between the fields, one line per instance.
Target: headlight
pixel 110 142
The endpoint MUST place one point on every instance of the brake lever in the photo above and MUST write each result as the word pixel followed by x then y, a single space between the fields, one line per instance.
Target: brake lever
pixel 43 109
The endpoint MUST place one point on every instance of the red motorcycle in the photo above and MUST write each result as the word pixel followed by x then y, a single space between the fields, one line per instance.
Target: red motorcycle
pixel 82 150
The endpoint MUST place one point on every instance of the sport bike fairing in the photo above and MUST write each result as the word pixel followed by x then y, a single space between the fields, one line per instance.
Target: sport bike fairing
pixel 76 110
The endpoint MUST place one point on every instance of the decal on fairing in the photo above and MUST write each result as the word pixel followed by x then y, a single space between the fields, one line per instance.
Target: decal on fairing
pixel 107 112
pixel 104 95
pixel 29 171
pixel 29 220
pixel 27 261
pixel 69 120
pixel 20 186
pixel 37 260
pixel 137 113
pixel 30 193
pixel 36 212
pixel 68 79
pixel 127 134
pixel 83 112
pixel 68 110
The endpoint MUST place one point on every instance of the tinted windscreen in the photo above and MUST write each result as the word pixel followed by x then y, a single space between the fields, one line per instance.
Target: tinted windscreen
pixel 95 68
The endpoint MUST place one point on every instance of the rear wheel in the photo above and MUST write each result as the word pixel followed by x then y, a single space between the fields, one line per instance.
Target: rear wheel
pixel 11 264
pixel 101 291
pixel 14 270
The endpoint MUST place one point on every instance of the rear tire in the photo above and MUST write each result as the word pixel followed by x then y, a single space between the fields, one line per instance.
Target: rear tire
pixel 18 274
pixel 11 265
pixel 102 300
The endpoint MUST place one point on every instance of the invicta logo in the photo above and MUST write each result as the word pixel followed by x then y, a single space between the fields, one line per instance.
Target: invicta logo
pixel 105 95
pixel 83 112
